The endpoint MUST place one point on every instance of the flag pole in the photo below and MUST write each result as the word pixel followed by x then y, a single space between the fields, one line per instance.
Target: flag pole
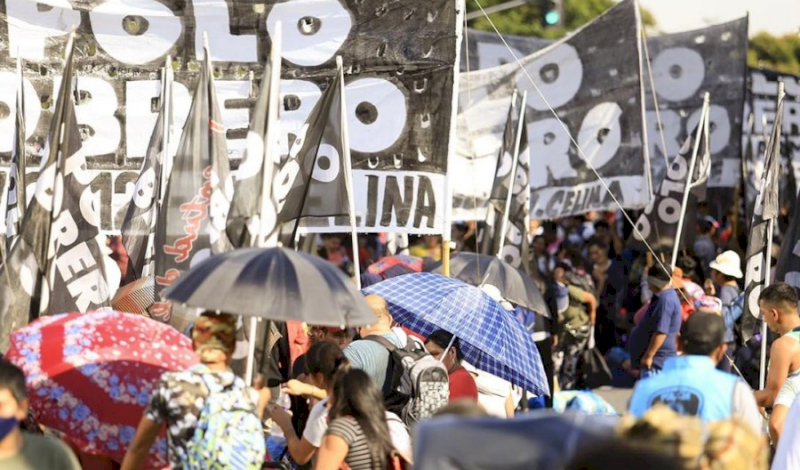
pixel 166 98
pixel 461 7
pixel 265 235
pixel 762 369
pixel 348 174
pixel 700 131
pixel 513 176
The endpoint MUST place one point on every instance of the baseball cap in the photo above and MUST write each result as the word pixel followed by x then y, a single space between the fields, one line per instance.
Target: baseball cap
pixel 702 333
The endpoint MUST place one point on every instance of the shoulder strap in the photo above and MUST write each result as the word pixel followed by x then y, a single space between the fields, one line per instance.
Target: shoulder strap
pixel 382 341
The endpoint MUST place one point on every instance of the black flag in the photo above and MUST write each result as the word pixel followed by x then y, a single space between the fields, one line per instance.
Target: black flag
pixel 191 223
pixel 765 212
pixel 313 177
pixel 139 226
pixel 516 181
pixel 658 224
pixel 247 214
pixel 56 264
pixel 16 198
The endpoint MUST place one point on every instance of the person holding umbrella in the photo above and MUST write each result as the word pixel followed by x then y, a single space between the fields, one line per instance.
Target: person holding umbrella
pixel 443 347
pixel 20 450
pixel 180 397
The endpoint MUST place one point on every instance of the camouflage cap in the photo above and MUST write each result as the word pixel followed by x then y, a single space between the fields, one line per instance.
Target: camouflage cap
pixel 215 331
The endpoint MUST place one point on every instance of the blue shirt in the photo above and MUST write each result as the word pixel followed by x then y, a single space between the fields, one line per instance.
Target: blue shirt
pixel 690 385
pixel 371 357
pixel 662 316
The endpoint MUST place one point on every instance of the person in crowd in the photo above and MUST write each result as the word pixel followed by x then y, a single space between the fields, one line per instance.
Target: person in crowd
pixel 576 309
pixel 704 247
pixel 371 355
pixel 609 280
pixel 540 257
pixel 320 363
pixel 429 246
pixel 20 450
pixel 333 249
pixel 605 234
pixel 725 272
pixel 324 359
pixel 358 434
pixel 778 305
pixel 692 280
pixel 341 336
pixel 464 408
pixel 462 385
pixel 543 332
pixel 787 452
pixel 179 397
pixel 729 444
pixel 653 340
pixel 690 384
pixel 617 454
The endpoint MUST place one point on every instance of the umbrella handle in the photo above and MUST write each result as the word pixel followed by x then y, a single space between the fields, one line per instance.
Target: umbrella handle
pixel 444 353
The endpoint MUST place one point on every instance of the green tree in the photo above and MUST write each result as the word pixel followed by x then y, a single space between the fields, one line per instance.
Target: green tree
pixel 777 53
pixel 525 20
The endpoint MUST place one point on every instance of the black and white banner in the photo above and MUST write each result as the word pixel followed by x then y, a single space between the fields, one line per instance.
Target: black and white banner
pixel 510 187
pixel 760 107
pixel 592 81
pixel 759 243
pixel 658 224
pixel 684 66
pixel 398 60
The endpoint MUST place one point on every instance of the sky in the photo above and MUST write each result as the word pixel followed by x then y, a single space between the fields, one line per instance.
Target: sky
pixel 777 17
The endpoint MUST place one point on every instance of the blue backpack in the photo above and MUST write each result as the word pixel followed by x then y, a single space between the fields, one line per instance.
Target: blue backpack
pixel 228 435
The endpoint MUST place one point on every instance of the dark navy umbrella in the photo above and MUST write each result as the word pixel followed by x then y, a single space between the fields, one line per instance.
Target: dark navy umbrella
pixel 491 338
pixel 275 284
pixel 514 284
pixel 539 440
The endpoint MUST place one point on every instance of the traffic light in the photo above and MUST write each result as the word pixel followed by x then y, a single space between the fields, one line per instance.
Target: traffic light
pixel 552 13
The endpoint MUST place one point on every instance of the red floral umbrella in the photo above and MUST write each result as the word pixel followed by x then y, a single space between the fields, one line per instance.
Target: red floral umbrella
pixel 90 376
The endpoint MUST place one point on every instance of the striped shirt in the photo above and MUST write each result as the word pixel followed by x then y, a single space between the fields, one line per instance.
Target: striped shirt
pixel 358 454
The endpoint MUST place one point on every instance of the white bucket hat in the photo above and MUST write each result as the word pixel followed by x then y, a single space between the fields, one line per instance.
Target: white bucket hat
pixel 729 264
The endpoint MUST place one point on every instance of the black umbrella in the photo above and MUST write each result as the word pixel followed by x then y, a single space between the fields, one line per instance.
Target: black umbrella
pixel 275 284
pixel 514 285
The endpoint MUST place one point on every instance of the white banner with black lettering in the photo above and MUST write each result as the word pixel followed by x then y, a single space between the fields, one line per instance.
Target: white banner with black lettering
pixel 398 66
pixel 592 81
pixel 684 65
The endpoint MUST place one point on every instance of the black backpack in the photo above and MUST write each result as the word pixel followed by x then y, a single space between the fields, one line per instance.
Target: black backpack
pixel 417 385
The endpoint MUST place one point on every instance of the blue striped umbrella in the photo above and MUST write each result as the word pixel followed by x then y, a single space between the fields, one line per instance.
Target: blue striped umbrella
pixel 492 339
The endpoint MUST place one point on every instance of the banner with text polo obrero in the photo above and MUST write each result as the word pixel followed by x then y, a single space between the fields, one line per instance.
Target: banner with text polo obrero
pixel 592 81
pixel 398 58
pixel 684 66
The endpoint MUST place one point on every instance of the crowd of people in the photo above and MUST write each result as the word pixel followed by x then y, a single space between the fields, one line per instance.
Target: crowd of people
pixel 331 397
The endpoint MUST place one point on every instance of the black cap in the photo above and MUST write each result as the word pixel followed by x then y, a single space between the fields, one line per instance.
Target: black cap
pixel 702 333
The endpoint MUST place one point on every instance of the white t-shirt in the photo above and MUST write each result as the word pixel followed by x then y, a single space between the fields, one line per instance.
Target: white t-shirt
pixel 787 455
pixel 317 424
pixel 492 391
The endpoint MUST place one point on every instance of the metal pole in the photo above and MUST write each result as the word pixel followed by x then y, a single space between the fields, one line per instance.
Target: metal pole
pixel 762 372
pixel 700 129
pixel 270 147
pixel 348 175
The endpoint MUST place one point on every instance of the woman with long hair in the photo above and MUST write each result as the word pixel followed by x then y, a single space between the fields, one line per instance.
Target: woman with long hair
pixel 358 434
pixel 323 359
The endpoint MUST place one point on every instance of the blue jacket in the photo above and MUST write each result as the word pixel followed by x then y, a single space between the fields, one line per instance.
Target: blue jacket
pixel 690 385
